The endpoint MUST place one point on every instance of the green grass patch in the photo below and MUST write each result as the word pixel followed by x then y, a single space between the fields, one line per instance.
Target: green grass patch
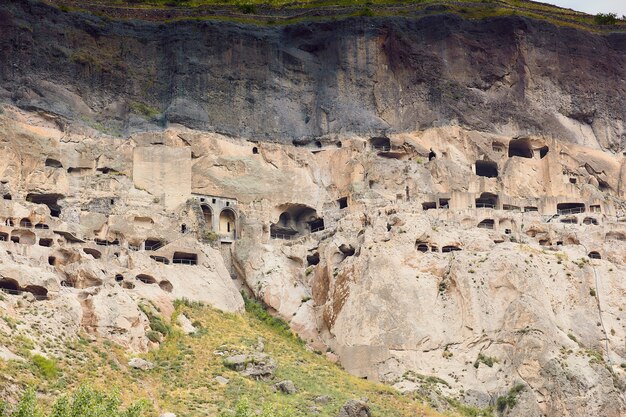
pixel 46 367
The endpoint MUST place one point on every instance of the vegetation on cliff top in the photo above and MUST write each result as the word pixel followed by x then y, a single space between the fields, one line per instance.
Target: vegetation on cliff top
pixel 289 11
pixel 183 379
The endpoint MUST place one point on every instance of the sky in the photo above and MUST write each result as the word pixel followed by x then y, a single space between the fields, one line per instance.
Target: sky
pixel 593 7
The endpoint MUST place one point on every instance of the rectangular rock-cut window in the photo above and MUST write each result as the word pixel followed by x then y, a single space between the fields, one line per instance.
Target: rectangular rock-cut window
pixel 185 258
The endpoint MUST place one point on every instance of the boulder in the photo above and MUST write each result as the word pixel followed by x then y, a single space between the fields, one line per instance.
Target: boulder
pixel 355 408
pixel 286 387
pixel 139 363
pixel 185 324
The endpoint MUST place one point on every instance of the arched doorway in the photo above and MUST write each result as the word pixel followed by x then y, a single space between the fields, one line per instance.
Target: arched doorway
pixel 207 213
pixel 228 224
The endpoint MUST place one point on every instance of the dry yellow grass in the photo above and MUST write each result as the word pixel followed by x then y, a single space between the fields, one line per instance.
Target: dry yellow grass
pixel 183 378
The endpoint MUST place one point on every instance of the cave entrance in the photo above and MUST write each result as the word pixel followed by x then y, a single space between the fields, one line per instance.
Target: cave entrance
pixel 380 143
pixel 153 244
pixel 487 169
pixel 9 286
pixel 521 148
pixel 486 224
pixel 50 200
pixel 25 237
pixel 185 258
pixel 316 225
pixel 295 220
pixel 421 246
pixel 146 279
pixel 487 200
pixel 313 259
pixel 570 208
pixel 590 221
pixel 160 259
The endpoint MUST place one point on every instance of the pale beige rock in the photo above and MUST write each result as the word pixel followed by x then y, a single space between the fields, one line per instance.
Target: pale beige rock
pixel 374 289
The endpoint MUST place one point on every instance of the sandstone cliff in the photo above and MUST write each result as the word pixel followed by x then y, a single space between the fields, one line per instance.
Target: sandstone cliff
pixel 424 200
pixel 509 75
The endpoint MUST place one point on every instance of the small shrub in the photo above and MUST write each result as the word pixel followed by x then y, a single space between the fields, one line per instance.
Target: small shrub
pixel 46 367
pixel 605 19
pixel 209 236
pixel 509 400
pixel 27 406
pixel 592 292
pixel 487 360
pixel 153 336
pixel 258 310
pixel 87 402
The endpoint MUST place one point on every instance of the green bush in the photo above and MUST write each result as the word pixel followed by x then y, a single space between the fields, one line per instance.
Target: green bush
pixel 258 310
pixel 153 336
pixel 156 323
pixel 87 402
pixel 46 367
pixel 84 402
pixel 27 406
pixel 605 19
pixel 509 400
pixel 242 409
pixel 487 360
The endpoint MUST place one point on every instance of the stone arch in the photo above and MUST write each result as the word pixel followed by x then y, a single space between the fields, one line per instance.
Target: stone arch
pixel 25 237
pixel 590 221
pixel 487 224
pixel 207 213
pixel 295 219
pixel 25 222
pixel 228 224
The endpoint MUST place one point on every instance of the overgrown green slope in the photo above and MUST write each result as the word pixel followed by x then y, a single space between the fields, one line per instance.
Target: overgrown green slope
pixel 183 379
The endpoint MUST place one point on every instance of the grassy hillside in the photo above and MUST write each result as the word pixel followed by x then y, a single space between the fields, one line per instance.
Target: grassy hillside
pixel 182 380
pixel 287 11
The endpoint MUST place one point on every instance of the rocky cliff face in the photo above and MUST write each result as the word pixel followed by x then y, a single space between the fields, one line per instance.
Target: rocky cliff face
pixel 435 203
pixel 364 75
